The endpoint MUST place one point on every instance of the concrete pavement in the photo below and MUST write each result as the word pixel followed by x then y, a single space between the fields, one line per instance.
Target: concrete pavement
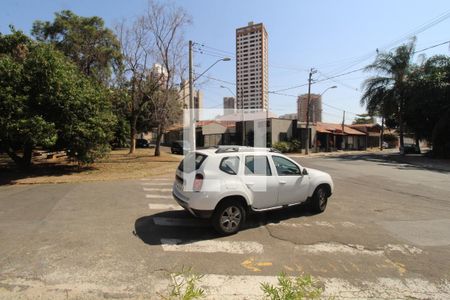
pixel 385 234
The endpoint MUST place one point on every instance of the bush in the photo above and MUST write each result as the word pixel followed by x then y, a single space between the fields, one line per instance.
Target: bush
pixel 283 147
pixel 291 146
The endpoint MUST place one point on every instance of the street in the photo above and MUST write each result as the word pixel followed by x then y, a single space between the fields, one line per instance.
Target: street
pixel 385 234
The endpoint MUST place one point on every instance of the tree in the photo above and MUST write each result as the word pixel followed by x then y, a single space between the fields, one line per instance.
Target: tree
pixel 387 89
pixel 429 103
pixel 85 40
pixel 364 119
pixel 165 24
pixel 152 48
pixel 46 102
pixel 137 82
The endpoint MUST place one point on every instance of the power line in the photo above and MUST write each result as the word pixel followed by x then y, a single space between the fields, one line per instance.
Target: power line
pixel 434 46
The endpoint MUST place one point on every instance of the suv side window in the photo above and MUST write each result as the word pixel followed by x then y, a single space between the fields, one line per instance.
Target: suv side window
pixel 257 165
pixel 285 167
pixel 230 165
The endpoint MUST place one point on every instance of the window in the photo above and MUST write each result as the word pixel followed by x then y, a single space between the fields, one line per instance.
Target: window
pixel 257 165
pixel 285 167
pixel 230 165
pixel 193 162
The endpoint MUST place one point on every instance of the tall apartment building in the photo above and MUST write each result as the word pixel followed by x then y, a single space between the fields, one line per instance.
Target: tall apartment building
pixel 252 72
pixel 315 113
pixel 229 105
pixel 198 99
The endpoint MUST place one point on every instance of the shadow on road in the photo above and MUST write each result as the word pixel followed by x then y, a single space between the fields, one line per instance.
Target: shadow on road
pixel 407 162
pixel 194 229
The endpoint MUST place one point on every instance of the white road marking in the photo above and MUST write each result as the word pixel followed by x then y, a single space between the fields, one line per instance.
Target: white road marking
pixel 158 183
pixel 249 287
pixel 157 190
pixel 161 206
pixel 161 221
pixel 212 246
pixel 354 249
pixel 158 178
pixel 153 196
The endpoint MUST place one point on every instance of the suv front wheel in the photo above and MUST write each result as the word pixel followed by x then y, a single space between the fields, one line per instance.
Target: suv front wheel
pixel 319 200
pixel 228 217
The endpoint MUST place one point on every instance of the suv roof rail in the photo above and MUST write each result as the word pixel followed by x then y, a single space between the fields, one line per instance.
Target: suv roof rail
pixel 237 148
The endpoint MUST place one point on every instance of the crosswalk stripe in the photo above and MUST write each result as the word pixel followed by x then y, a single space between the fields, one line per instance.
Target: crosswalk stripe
pixel 158 183
pixel 212 246
pixel 160 206
pixel 162 221
pixel 157 190
pixel 153 196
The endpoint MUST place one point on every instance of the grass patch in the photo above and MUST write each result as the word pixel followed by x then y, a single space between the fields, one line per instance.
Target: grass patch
pixel 117 165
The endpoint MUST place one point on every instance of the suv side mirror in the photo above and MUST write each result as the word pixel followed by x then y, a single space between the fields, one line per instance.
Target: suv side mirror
pixel 304 172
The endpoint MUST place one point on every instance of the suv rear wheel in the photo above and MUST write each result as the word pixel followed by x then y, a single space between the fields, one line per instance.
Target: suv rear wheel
pixel 228 217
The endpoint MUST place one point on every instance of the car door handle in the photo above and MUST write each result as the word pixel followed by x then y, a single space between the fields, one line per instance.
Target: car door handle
pixel 283 182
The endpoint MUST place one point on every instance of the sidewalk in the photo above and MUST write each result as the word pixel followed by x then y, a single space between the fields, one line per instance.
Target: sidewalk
pixel 418 160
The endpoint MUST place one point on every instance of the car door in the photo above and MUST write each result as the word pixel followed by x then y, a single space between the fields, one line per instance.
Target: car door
pixel 292 185
pixel 260 180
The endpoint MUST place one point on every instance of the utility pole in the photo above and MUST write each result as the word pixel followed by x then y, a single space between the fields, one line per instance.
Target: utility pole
pixel 308 107
pixel 343 129
pixel 191 99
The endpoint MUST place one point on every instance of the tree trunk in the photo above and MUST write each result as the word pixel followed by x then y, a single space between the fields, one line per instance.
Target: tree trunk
pixel 158 141
pixel 133 132
pixel 382 134
pixel 400 117
pixel 23 162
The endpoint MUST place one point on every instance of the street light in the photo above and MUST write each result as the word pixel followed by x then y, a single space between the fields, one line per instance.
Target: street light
pixel 308 108
pixel 191 91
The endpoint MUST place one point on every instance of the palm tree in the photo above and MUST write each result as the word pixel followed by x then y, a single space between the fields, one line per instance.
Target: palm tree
pixel 387 89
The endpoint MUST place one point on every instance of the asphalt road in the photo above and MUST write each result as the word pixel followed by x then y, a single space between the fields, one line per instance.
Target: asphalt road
pixel 385 234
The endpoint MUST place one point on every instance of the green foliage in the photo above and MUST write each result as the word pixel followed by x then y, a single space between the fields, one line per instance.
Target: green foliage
pixel 184 286
pixel 85 40
pixel 291 146
pixel 389 138
pixel 283 147
pixel 46 102
pixel 302 287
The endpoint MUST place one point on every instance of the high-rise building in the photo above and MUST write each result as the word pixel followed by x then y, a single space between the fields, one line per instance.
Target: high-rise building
pixel 229 105
pixel 315 112
pixel 198 99
pixel 252 73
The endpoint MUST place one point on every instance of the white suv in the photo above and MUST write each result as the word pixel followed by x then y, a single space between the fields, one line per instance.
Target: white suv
pixel 227 183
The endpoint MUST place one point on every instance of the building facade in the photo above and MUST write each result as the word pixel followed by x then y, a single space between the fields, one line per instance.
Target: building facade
pixel 252 67
pixel 315 113
pixel 229 105
pixel 198 99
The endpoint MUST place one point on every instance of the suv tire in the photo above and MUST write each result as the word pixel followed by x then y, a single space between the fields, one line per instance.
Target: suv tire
pixel 228 217
pixel 319 200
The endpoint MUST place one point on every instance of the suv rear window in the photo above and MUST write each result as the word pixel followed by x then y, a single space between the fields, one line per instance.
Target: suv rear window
pixel 230 165
pixel 191 162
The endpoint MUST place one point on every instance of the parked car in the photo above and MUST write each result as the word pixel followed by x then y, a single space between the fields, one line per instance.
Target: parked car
pixel 228 183
pixel 179 147
pixel 142 143
pixel 410 149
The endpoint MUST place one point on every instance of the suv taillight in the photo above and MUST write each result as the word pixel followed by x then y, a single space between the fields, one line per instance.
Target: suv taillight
pixel 198 181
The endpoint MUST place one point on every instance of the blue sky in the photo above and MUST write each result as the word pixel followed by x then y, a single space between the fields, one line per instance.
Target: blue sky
pixel 331 36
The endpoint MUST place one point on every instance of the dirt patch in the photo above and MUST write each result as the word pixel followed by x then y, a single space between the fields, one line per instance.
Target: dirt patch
pixel 118 165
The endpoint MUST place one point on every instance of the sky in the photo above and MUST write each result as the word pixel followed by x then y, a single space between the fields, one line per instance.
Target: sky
pixel 333 37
